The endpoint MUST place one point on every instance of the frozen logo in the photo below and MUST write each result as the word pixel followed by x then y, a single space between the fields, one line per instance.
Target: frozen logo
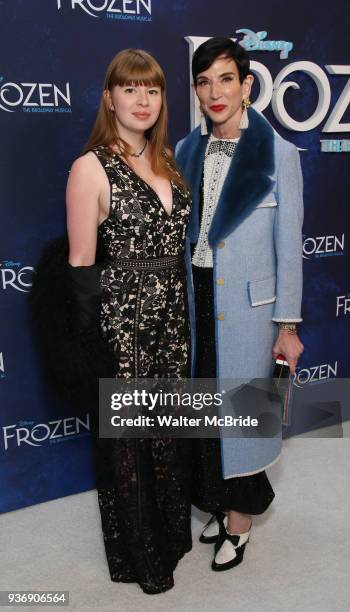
pixel 34 97
pixel 252 41
pixel 13 275
pixel 323 246
pixel 132 10
pixel 26 432
pixel 2 367
pixel 315 374
pixel 343 305
pixel 272 91
pixel 334 145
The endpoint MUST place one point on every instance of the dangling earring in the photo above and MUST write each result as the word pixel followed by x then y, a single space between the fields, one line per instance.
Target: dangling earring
pixel 204 129
pixel 244 122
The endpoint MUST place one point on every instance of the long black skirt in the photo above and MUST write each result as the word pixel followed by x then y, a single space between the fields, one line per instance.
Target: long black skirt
pixel 246 494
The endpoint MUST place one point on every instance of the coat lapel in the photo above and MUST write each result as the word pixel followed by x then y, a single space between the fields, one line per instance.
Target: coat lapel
pixel 190 160
pixel 247 182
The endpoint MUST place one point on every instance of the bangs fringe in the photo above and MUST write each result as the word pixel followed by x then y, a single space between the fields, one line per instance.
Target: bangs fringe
pixel 146 82
pixel 136 70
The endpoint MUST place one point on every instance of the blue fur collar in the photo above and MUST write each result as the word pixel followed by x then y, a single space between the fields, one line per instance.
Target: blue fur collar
pixel 247 182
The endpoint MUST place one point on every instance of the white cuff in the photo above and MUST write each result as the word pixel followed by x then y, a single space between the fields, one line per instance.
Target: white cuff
pixel 286 320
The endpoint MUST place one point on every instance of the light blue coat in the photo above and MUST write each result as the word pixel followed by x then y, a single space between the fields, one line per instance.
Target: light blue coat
pixel 256 236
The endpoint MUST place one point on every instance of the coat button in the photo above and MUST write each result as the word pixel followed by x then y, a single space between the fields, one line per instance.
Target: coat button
pixel 221 245
pixel 220 281
pixel 221 316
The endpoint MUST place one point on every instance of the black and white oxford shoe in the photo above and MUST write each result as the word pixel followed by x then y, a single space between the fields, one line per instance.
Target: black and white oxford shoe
pixel 210 532
pixel 229 549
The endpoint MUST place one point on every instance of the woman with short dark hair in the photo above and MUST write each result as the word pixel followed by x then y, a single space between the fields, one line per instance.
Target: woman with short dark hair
pixel 246 261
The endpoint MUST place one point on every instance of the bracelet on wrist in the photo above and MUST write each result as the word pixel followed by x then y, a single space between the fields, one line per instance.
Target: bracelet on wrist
pixel 291 328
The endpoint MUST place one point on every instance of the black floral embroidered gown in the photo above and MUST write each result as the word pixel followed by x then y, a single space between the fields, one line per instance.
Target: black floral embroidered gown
pixel 145 501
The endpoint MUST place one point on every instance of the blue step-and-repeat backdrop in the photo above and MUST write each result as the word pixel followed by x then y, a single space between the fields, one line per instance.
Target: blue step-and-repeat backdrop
pixel 54 54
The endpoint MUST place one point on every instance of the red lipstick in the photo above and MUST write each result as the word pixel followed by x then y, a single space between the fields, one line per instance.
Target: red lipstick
pixel 217 108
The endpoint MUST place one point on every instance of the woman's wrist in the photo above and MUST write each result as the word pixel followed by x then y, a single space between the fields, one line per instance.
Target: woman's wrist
pixel 290 328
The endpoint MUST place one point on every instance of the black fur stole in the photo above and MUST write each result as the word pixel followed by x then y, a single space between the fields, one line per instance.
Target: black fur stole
pixel 74 359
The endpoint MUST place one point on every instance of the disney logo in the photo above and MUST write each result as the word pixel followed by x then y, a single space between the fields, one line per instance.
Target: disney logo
pixel 252 41
pixel 12 264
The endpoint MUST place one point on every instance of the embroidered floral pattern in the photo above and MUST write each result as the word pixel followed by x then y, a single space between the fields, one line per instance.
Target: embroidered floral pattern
pixel 145 509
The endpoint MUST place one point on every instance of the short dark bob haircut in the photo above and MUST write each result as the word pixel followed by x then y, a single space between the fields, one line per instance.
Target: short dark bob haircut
pixel 210 50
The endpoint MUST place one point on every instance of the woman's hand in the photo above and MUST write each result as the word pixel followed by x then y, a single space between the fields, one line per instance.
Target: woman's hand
pixel 290 346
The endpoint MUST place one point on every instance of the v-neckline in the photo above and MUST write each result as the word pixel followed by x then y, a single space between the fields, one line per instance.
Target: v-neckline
pixel 151 188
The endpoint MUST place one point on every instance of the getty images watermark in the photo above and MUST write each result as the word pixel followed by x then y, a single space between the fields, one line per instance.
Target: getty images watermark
pixel 192 408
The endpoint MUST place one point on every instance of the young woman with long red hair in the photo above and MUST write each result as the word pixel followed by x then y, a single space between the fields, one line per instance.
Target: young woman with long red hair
pixel 126 200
